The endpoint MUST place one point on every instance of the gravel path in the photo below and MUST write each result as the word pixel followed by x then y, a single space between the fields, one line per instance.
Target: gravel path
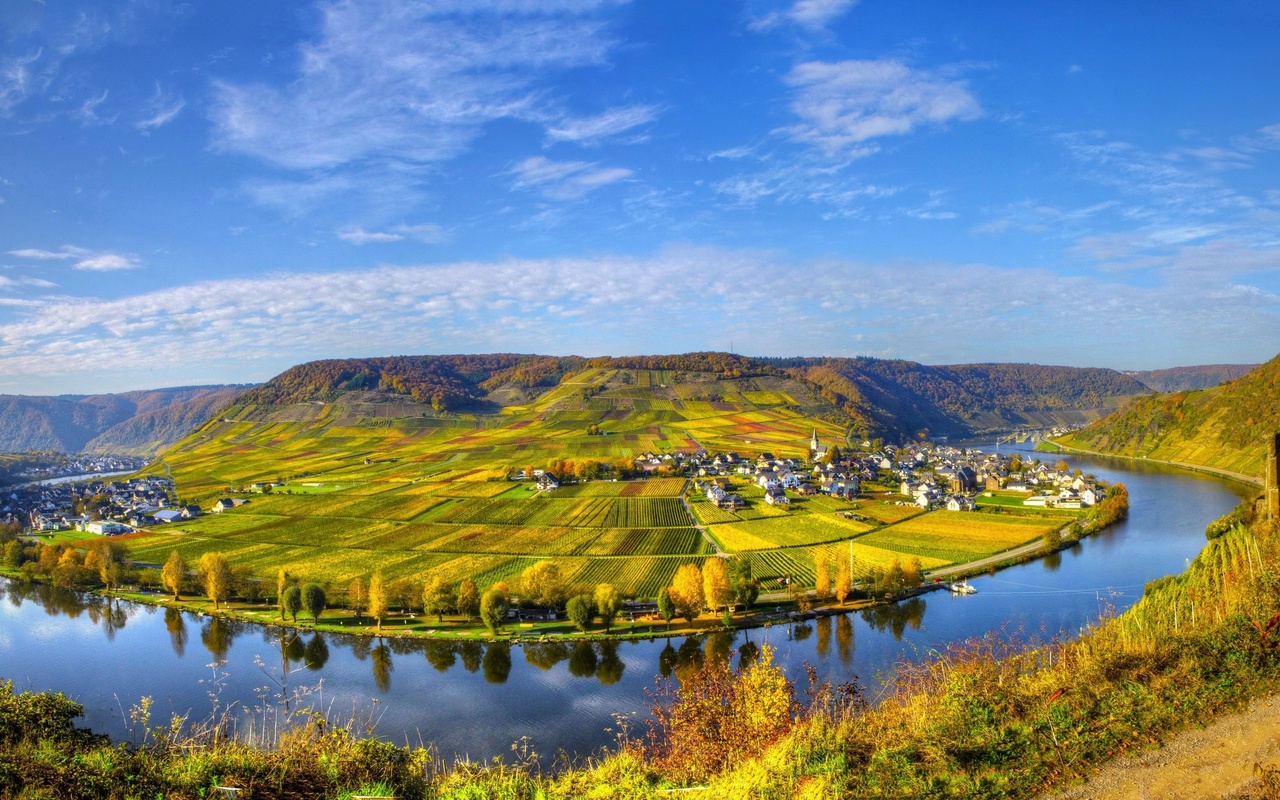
pixel 1213 762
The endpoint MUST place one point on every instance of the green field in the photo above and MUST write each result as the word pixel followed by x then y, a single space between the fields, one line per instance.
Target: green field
pixel 423 494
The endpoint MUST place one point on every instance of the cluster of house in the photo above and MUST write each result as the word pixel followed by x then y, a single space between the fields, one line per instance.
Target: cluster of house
pixel 928 475
pixel 84 464
pixel 121 505
pixel 934 476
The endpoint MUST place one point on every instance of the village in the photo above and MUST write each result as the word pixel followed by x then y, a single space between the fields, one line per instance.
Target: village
pixel 97 506
pixel 927 475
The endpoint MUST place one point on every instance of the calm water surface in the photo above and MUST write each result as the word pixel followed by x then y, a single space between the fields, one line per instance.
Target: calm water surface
pixel 475 700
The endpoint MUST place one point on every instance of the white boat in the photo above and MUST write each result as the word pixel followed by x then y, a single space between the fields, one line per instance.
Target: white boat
pixel 962 587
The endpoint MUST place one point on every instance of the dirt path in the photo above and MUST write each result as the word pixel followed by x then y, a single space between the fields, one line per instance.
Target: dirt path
pixel 1212 762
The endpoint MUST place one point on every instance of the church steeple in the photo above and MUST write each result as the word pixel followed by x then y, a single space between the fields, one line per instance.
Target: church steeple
pixel 813 443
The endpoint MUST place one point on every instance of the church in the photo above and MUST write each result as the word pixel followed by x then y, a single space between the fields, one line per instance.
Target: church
pixel 817 450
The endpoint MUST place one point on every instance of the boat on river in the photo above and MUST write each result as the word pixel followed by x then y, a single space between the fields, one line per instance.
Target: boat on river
pixel 961 587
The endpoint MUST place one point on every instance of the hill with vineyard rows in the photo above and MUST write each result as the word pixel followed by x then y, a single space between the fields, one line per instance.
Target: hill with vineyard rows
pixel 1218 427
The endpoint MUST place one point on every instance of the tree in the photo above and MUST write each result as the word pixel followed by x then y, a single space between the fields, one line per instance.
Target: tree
pixel 686 591
pixel 608 602
pixel 468 599
pixel 844 582
pixel 217 576
pixel 913 573
pixel 357 595
pixel 110 562
pixel 892 580
pixel 493 609
pixel 580 611
pixel 666 606
pixel 715 583
pixel 173 573
pixel 543 584
pixel 1052 539
pixel 378 598
pixel 314 600
pixel 282 583
pixel 822 577
pixel 747 591
pixel 438 597
pixel 291 601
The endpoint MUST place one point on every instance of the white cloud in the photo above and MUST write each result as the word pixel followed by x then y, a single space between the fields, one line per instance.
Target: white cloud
pixel 250 328
pixel 565 180
pixel 406 82
pixel 361 236
pixel 844 105
pixel 804 183
pixel 814 15
pixel 11 283
pixel 20 78
pixel 88 111
pixel 163 109
pixel 592 130
pixel 426 233
pixel 85 260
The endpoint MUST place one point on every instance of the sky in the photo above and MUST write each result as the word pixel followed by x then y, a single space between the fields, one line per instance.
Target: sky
pixel 212 191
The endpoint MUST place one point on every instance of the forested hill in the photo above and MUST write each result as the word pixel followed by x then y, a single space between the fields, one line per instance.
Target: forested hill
pixel 904 397
pixel 891 399
pixel 130 423
pixel 1188 379
pixel 1221 427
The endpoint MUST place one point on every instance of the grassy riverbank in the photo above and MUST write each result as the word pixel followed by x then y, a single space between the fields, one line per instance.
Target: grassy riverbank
pixel 988 718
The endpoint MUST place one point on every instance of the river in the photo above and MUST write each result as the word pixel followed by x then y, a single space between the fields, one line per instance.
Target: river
pixel 473 700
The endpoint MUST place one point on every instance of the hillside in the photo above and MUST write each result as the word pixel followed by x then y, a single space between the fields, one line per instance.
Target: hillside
pixel 1217 427
pixel 1189 379
pixel 872 397
pixel 141 422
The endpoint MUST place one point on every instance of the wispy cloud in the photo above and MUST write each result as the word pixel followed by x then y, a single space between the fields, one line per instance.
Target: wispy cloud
pixel 593 130
pixel 813 15
pixel 164 107
pixel 565 180
pixel 412 83
pixel 425 233
pixel 251 328
pixel 82 259
pixel 23 76
pixel 805 182
pixel 845 105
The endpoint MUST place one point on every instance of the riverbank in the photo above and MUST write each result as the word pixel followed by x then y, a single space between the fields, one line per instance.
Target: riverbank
pixel 630 624
pixel 990 717
pixel 1238 477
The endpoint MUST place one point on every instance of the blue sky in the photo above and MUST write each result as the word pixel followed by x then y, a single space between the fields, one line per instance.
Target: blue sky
pixel 205 192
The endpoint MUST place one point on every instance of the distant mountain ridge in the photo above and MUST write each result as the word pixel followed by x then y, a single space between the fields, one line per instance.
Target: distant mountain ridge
pixel 1189 379
pixel 129 423
pixel 875 397
pixel 1224 427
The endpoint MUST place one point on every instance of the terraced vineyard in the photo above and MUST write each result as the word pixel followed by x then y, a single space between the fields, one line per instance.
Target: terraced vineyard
pixel 398 487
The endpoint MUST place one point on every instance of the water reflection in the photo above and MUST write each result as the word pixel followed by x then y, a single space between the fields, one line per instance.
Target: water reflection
pixel 217 634
pixel 440 655
pixel 823 645
pixel 382 666
pixel 844 639
pixel 176 623
pixel 609 670
pixel 497 662
pixel 896 617
pixel 583 661
pixel 316 653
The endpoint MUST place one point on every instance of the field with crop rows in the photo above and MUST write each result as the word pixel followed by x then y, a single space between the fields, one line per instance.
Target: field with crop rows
pixel 801 529
pixel 957 536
